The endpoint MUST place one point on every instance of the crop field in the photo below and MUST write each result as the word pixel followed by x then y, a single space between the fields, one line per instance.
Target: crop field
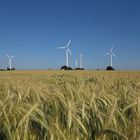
pixel 69 105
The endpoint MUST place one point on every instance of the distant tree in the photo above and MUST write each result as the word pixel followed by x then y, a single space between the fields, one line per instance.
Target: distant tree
pixel 66 68
pixel 79 68
pixel 109 68
pixel 11 68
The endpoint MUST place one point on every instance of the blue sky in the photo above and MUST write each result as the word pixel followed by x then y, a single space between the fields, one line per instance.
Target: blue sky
pixel 31 30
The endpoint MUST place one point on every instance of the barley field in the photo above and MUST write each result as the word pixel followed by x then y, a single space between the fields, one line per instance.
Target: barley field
pixel 69 105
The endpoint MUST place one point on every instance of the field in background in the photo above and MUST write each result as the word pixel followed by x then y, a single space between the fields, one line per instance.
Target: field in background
pixel 69 105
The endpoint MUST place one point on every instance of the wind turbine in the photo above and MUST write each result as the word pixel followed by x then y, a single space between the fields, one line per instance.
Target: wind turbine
pixel 67 52
pixel 111 54
pixel 10 60
pixel 76 63
pixel 81 61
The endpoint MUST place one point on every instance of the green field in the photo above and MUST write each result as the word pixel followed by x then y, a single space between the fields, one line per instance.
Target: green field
pixel 69 105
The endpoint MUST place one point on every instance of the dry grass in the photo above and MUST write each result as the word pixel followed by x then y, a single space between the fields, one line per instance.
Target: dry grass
pixel 69 105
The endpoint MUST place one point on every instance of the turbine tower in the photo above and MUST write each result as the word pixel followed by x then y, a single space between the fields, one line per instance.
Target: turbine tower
pixel 76 63
pixel 111 54
pixel 81 61
pixel 67 52
pixel 10 60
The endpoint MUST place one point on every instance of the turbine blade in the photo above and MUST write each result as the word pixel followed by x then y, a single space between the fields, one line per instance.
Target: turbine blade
pixel 69 51
pixel 7 55
pixel 114 55
pixel 69 43
pixel 61 47
pixel 112 48
pixel 107 54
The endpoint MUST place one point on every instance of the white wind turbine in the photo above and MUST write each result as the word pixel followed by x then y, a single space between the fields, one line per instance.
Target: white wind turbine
pixel 67 52
pixel 76 63
pixel 111 54
pixel 81 64
pixel 10 60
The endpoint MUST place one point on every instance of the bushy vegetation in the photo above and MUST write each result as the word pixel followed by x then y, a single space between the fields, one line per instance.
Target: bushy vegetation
pixel 69 106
